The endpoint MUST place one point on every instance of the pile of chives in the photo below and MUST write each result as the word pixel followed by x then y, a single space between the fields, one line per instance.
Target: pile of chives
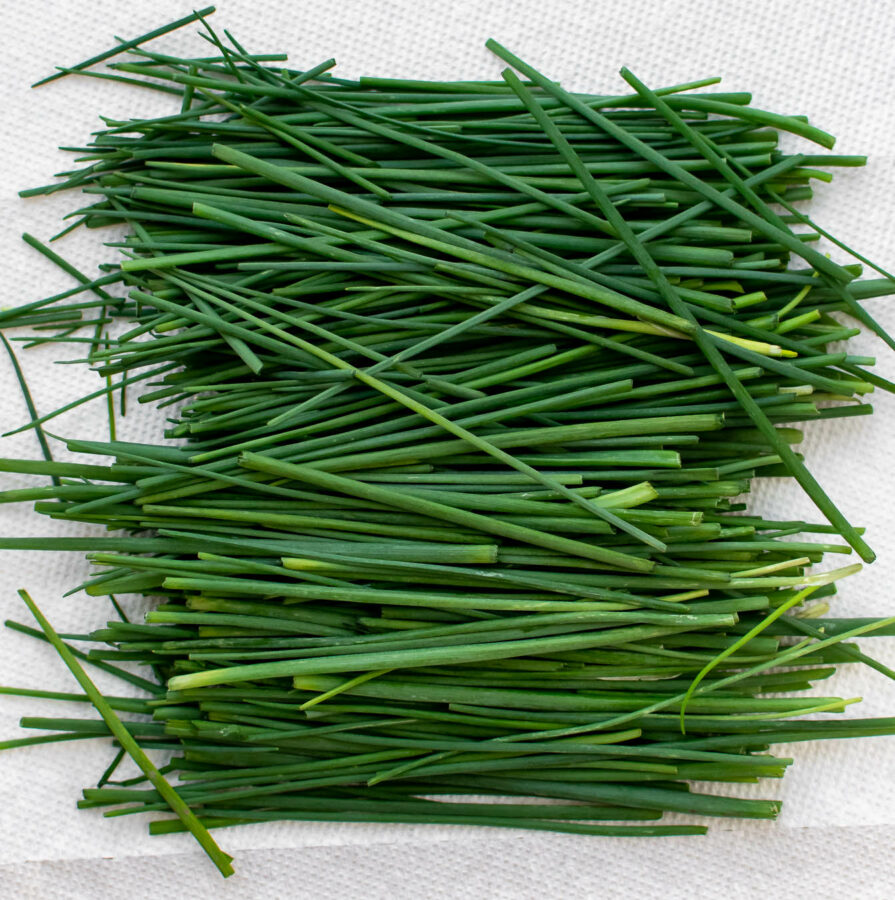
pixel 465 382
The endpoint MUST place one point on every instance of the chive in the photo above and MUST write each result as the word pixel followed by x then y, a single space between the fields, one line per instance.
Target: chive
pixel 220 859
pixel 127 45
pixel 29 403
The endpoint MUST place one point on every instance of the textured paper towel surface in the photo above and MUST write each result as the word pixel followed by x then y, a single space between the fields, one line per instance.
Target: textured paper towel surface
pixel 830 60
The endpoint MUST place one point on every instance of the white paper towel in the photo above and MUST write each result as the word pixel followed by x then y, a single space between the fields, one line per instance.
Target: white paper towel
pixel 829 60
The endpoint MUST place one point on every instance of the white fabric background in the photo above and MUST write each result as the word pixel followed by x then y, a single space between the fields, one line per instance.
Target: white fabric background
pixel 831 60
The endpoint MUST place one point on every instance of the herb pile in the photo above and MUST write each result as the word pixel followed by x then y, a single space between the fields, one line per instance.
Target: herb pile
pixel 465 381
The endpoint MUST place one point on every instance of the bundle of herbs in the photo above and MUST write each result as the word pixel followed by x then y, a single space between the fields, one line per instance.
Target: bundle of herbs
pixel 465 383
